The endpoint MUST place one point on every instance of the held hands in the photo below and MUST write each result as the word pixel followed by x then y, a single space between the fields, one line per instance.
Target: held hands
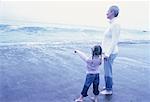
pixel 104 56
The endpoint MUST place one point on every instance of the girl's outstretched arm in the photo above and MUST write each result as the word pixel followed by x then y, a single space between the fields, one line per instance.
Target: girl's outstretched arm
pixel 82 55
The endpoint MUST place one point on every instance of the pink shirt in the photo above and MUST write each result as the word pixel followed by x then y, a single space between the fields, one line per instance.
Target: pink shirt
pixel 92 65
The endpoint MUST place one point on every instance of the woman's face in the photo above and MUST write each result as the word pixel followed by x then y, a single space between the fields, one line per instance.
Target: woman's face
pixel 110 14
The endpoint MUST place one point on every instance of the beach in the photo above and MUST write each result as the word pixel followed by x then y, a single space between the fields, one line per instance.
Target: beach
pixel 53 73
pixel 38 39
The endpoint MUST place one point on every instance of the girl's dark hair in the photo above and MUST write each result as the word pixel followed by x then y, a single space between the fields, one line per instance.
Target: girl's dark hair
pixel 96 51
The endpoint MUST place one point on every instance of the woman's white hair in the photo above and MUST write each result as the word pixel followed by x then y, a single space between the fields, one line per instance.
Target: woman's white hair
pixel 115 9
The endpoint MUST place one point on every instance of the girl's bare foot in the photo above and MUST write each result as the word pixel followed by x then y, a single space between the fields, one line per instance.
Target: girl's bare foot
pixel 94 99
pixel 80 99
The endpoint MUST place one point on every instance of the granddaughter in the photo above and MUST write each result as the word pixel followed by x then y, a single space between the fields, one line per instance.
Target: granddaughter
pixel 92 73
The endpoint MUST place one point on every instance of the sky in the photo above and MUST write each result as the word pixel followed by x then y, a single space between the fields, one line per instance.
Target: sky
pixel 133 14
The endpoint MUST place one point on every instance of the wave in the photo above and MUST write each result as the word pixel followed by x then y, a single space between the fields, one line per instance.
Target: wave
pixel 49 28
pixel 54 33
pixel 67 43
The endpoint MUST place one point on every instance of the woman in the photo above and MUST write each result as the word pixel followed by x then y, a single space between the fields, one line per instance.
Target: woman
pixel 110 47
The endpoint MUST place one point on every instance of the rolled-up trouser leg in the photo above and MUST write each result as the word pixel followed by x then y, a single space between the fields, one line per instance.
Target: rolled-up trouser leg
pixel 108 71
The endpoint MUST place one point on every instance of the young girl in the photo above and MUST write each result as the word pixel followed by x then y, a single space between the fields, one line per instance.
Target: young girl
pixel 92 72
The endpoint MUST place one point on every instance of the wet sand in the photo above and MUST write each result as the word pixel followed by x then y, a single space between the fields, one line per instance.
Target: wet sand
pixel 45 73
